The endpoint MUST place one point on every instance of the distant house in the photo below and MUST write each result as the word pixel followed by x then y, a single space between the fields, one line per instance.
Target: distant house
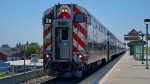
pixel 3 56
pixel 11 54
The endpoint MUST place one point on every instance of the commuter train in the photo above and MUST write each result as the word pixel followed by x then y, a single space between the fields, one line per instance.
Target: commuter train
pixel 75 42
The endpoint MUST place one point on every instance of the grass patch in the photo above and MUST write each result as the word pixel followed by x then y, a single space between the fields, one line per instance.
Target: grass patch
pixel 2 75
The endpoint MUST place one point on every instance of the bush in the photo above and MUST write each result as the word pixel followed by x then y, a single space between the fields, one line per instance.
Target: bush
pixel 2 75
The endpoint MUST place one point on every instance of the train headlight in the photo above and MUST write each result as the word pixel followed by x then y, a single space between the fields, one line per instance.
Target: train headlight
pixel 80 56
pixel 47 56
pixel 62 10
pixel 66 10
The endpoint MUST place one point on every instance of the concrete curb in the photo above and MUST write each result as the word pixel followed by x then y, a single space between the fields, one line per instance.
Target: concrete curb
pixel 19 78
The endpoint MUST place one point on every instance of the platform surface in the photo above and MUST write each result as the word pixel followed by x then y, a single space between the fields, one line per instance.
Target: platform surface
pixel 127 71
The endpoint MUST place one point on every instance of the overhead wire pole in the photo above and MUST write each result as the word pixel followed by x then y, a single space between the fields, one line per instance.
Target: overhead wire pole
pixel 108 34
pixel 147 46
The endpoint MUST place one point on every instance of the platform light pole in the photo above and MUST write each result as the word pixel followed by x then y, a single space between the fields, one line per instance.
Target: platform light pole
pixel 147 21
pixel 141 34
pixel 108 34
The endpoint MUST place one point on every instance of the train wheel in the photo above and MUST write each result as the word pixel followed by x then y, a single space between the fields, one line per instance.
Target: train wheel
pixel 83 72
pixel 53 72
pixel 73 69
pixel 104 61
pixel 49 70
pixel 73 72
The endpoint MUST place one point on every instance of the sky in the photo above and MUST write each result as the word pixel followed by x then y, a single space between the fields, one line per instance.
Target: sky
pixel 21 20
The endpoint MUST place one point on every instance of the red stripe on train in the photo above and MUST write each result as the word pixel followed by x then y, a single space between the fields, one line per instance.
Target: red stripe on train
pixel 52 11
pixel 81 29
pixel 82 44
pixel 64 14
pixel 46 45
pixel 47 31
pixel 69 5
pixel 74 49
pixel 76 10
pixel 83 58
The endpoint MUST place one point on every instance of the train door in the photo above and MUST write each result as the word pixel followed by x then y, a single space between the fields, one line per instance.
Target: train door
pixel 62 40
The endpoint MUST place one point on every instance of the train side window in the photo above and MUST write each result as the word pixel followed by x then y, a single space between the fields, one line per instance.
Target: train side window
pixel 99 46
pixel 94 23
pixel 89 19
pixel 104 47
pixel 99 28
pixel 79 17
pixel 106 32
pixel 95 46
pixel 90 46
pixel 102 29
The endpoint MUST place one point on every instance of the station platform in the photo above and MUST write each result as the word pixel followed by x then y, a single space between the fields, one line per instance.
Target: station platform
pixel 127 71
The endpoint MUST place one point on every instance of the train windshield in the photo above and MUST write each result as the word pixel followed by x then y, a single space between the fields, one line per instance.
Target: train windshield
pixel 80 17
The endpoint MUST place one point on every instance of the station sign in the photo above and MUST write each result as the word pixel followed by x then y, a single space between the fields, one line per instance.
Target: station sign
pixel 131 38
pixel 34 58
pixel 63 23
pixel 133 35
pixel 148 37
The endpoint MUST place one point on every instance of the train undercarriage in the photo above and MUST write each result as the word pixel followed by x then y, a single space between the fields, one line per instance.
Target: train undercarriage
pixel 75 69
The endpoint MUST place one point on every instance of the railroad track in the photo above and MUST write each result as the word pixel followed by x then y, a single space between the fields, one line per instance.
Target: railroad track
pixel 39 80
pixel 63 80
pixel 58 80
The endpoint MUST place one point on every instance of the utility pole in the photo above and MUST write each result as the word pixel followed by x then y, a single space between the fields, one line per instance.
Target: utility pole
pixel 24 61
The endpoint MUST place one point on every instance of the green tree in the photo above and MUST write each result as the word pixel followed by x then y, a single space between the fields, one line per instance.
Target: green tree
pixel 32 48
pixel 2 75
pixel 19 48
